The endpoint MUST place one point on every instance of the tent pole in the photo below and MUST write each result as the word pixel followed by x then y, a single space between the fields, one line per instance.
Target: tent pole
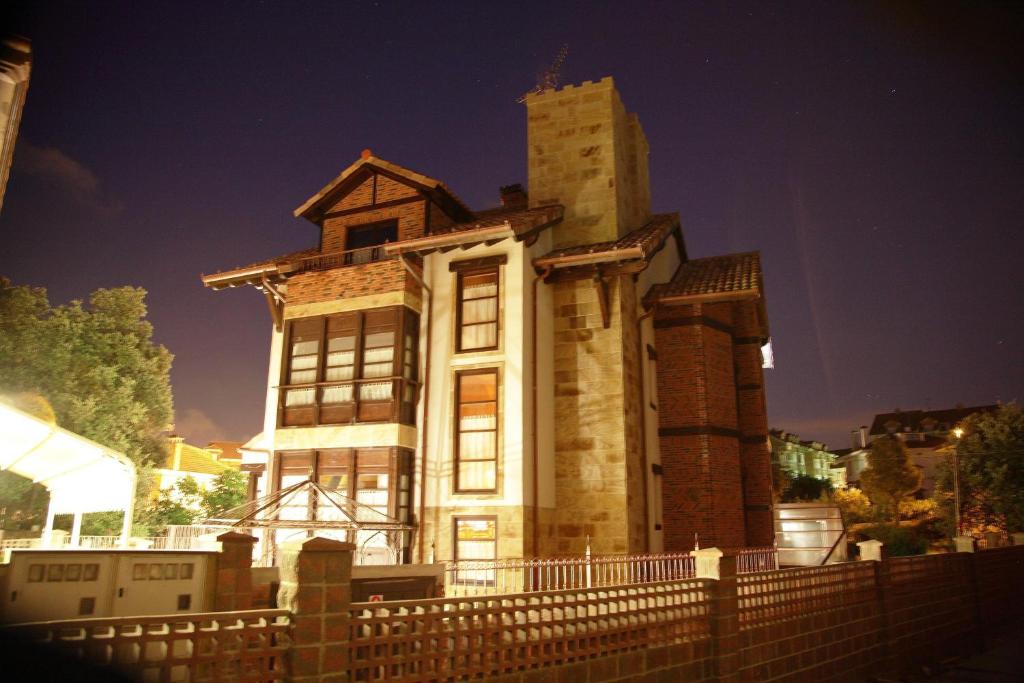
pixel 47 536
pixel 126 528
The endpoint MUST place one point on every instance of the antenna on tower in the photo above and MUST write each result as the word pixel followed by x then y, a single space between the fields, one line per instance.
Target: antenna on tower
pixel 548 79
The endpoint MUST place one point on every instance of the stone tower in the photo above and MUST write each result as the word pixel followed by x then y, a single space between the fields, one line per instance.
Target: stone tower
pixel 586 152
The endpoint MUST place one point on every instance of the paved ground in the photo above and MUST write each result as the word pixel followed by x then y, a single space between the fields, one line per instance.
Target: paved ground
pixel 1002 661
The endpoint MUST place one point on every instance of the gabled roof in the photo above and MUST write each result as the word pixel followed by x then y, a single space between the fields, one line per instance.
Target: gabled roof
pixel 641 244
pixel 910 420
pixel 357 171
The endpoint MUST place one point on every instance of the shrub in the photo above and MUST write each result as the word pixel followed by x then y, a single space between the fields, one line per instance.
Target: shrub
pixel 805 488
pixel 899 541
pixel 854 505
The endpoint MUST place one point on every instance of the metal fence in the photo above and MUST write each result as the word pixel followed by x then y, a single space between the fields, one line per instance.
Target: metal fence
pixel 496 577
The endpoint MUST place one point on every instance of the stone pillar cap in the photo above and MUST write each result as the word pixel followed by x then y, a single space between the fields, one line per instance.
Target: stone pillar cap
pixel 870 542
pixel 317 544
pixel 235 537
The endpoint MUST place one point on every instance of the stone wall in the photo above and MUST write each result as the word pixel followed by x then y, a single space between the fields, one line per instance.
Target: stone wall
pixel 592 478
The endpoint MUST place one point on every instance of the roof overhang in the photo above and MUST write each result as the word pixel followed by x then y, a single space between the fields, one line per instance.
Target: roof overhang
pixel 451 240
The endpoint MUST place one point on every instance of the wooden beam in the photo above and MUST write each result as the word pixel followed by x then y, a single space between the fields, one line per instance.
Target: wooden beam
pixel 601 286
pixel 474 263
pixel 276 312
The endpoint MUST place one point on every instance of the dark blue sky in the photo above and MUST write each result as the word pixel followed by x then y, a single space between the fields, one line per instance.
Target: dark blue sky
pixel 873 155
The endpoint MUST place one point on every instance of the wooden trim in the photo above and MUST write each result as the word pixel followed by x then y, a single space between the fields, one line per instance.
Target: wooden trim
pixel 457 442
pixel 373 207
pixel 458 309
pixel 601 286
pixel 483 263
pixel 651 353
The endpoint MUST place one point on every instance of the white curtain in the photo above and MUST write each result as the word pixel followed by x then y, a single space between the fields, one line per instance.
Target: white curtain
pixel 339 394
pixel 375 391
pixel 479 305
pixel 299 397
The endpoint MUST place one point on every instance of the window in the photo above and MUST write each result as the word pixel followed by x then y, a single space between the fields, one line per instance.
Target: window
pixel 90 572
pixel 350 367
pixel 476 538
pixel 73 572
pixel 184 601
pixel 362 242
pixel 476 430
pixel 477 313
pixel 36 572
pixel 55 572
pixel 86 606
pixel 187 570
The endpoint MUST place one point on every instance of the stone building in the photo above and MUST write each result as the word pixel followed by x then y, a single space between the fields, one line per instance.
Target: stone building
pixel 514 380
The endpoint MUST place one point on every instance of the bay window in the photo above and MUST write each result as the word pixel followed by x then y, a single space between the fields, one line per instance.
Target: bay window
pixel 358 366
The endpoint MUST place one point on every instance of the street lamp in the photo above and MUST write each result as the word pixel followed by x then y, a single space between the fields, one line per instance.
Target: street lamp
pixel 958 432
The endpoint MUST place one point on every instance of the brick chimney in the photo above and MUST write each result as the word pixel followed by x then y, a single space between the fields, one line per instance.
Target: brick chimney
pixel 513 196
pixel 586 152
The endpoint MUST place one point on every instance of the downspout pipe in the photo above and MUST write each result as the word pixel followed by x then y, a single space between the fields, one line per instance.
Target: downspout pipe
pixel 643 424
pixel 535 479
pixel 426 407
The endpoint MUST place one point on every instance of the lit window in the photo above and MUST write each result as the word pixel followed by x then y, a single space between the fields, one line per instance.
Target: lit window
pixel 478 310
pixel 476 538
pixel 476 448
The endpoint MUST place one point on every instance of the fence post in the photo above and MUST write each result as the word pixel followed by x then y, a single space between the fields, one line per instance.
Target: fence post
pixel 233 590
pixel 965 544
pixel 871 550
pixel 882 597
pixel 725 617
pixel 315 587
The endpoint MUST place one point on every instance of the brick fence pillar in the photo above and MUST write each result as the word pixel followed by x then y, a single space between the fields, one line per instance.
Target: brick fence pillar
pixel 725 622
pixel 315 587
pixel 233 590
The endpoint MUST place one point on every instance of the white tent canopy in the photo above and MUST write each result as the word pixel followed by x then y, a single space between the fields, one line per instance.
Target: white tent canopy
pixel 81 475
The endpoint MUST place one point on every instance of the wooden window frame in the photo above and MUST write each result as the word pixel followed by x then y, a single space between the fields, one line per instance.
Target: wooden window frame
pixel 457 442
pixel 472 518
pixel 482 266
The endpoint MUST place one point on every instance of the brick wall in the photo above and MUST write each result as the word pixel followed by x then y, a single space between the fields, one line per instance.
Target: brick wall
pixel 411 221
pixel 752 422
pixel 350 281
pixel 702 484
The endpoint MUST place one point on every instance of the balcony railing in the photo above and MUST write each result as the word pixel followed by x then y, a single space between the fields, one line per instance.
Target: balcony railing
pixel 340 259
pixel 377 399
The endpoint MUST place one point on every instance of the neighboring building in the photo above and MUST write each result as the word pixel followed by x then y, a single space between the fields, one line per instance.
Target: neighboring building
pixel 225 451
pixel 925 433
pixel 185 460
pixel 809 458
pixel 512 381
pixel 15 67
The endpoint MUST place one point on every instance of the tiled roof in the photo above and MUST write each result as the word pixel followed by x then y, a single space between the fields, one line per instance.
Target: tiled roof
pixel 732 275
pixel 641 243
pixel 522 221
pixel 910 420
pixel 267 264
pixel 197 460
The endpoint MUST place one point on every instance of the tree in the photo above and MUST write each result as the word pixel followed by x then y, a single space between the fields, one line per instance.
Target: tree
pixel 854 505
pixel 890 475
pixel 188 503
pixel 991 455
pixel 805 488
pixel 96 364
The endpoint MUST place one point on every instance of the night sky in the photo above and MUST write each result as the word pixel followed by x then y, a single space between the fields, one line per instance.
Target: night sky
pixel 873 155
